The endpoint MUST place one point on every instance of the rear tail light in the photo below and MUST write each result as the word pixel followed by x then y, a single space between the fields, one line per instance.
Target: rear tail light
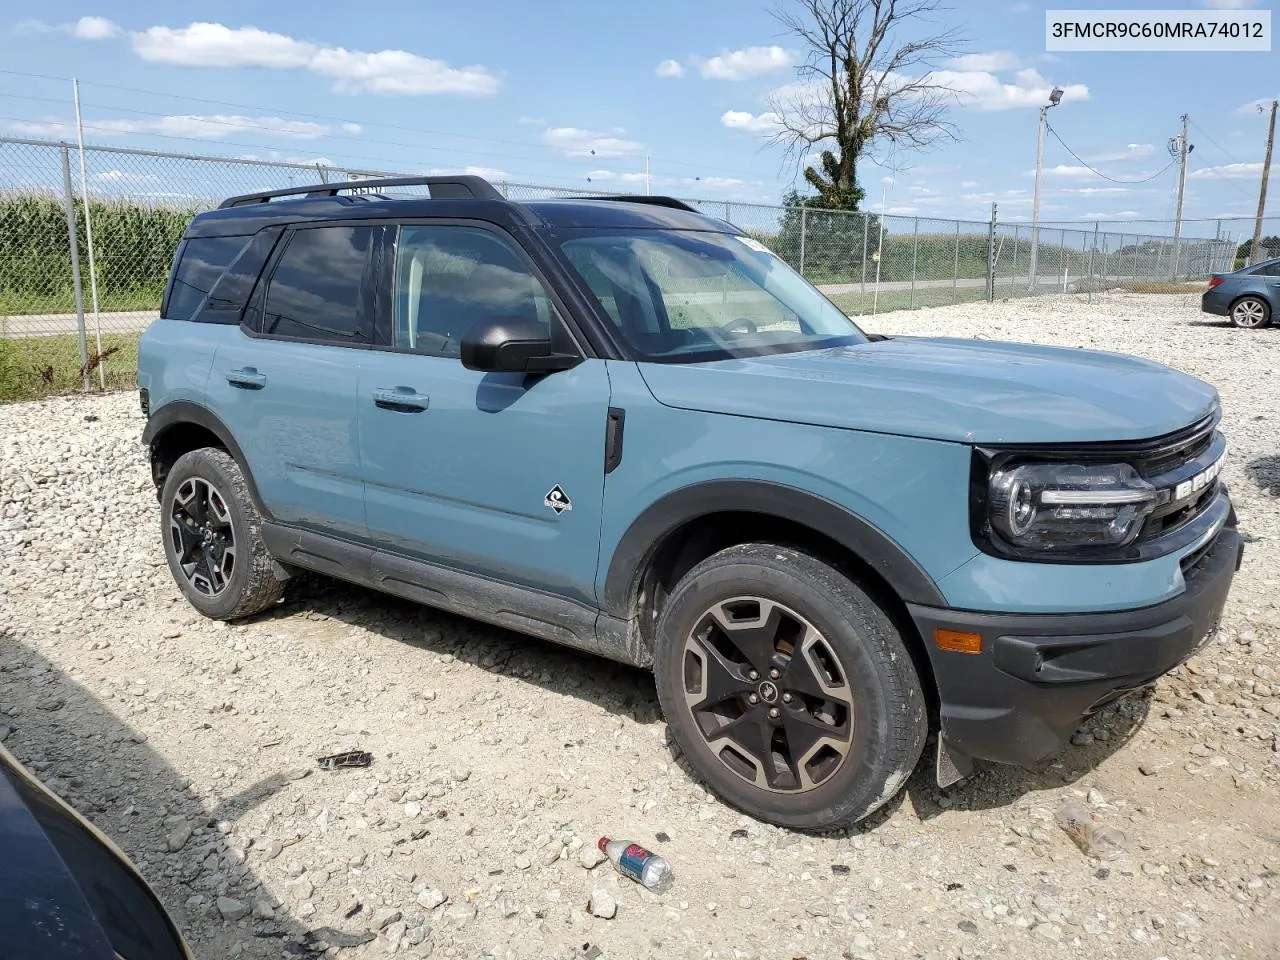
pixel 1214 281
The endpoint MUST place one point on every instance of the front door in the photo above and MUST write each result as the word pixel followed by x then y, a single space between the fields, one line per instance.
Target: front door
pixel 500 474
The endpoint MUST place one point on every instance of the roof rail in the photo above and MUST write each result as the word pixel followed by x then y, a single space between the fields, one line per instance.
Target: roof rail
pixel 645 198
pixel 461 187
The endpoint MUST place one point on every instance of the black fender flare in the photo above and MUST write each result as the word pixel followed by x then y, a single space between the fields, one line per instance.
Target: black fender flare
pixel 664 516
pixel 182 412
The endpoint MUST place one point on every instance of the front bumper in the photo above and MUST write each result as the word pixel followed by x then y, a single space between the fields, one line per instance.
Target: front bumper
pixel 1039 675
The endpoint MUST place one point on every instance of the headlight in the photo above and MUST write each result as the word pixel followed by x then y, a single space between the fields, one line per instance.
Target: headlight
pixel 1048 508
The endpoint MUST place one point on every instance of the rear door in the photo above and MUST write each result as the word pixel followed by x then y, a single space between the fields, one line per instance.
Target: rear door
pixel 285 381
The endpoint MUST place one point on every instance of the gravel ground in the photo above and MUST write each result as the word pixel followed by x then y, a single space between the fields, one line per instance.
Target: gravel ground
pixel 499 760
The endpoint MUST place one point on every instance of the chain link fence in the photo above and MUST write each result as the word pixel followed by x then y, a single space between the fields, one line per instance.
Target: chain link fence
pixel 75 293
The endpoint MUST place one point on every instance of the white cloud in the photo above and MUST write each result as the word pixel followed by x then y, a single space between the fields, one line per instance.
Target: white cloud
pixel 1067 170
pixel 204 44
pixel 276 156
pixel 669 68
pixel 352 128
pixel 1122 215
pixel 584 143
pixel 93 28
pixel 1232 171
pixel 212 127
pixel 123 176
pixel 1132 151
pixel 906 211
pixel 1096 191
pixel 1229 4
pixel 994 61
pixel 746 63
pixel 533 121
pixel 968 184
pixel 767 122
pixel 981 90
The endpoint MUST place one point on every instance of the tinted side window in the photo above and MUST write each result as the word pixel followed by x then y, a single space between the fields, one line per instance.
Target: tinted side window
pixel 1270 270
pixel 226 300
pixel 202 263
pixel 449 277
pixel 315 293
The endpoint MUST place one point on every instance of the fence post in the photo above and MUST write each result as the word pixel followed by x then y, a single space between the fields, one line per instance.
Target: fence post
pixel 1013 270
pixel 1092 251
pixel 991 256
pixel 865 226
pixel 69 205
pixel 728 212
pixel 915 253
pixel 955 272
pixel 803 225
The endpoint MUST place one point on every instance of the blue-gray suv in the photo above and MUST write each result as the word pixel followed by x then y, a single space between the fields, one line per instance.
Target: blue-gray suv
pixel 627 427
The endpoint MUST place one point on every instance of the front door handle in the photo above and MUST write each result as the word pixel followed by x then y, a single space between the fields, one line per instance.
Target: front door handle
pixel 247 377
pixel 400 399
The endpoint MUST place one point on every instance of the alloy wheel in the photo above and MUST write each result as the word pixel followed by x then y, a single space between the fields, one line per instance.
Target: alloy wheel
pixel 202 536
pixel 768 694
pixel 1248 313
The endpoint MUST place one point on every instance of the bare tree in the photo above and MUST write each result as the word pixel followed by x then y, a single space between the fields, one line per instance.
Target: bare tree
pixel 860 85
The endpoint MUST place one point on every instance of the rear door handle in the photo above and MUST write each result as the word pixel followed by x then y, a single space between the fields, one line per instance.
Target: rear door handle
pixel 400 399
pixel 247 377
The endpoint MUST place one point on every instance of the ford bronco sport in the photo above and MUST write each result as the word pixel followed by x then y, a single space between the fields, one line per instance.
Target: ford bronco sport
pixel 622 425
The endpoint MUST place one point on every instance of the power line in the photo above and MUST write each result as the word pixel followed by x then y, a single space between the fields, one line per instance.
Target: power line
pixel 1099 172
pixel 1227 180
pixel 1215 143
pixel 693 165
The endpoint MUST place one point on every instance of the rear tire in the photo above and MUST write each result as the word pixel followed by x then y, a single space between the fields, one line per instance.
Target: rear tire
pixel 212 535
pixel 788 688
pixel 1250 313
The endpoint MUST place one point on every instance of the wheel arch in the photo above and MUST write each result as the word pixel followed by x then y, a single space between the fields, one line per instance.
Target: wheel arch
pixel 182 426
pixel 684 527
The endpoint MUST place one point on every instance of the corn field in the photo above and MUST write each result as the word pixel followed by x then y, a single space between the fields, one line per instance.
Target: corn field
pixel 134 243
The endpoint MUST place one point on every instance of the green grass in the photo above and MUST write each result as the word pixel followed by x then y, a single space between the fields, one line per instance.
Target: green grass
pixel 34 367
pixel 861 304
pixel 20 303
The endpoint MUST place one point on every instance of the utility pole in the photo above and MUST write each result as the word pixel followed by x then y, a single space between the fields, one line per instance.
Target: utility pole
pixel 1183 149
pixel 1255 248
pixel 648 187
pixel 1054 99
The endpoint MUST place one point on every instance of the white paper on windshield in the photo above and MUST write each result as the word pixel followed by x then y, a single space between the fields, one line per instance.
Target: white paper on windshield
pixel 755 245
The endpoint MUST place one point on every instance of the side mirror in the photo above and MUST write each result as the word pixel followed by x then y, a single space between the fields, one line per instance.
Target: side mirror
pixel 512 345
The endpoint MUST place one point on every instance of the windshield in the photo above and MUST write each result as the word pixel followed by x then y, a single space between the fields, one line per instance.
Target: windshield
pixel 680 296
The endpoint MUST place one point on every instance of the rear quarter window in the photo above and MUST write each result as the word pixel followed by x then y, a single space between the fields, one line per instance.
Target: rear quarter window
pixel 200 264
pixel 225 303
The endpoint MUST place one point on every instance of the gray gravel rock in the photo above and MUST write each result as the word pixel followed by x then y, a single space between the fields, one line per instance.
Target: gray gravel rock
pixel 232 909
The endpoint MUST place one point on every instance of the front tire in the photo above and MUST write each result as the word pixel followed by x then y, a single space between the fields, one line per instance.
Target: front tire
pixel 788 688
pixel 212 535
pixel 1250 313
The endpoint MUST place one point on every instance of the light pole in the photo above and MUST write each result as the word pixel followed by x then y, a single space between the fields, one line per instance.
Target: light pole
pixel 1055 98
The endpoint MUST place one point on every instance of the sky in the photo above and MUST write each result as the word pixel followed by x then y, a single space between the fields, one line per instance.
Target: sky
pixel 585 94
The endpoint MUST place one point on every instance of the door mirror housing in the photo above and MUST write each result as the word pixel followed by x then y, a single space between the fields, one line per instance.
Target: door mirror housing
pixel 512 345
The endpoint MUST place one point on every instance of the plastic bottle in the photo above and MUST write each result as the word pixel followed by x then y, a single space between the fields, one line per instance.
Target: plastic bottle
pixel 634 861
pixel 1091 835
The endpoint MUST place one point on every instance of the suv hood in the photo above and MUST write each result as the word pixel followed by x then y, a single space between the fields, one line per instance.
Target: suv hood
pixel 967 391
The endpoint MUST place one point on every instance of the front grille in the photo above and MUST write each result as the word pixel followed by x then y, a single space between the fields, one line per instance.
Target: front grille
pixel 1172 451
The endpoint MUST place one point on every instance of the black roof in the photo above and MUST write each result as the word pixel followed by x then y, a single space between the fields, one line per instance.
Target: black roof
pixel 248 214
